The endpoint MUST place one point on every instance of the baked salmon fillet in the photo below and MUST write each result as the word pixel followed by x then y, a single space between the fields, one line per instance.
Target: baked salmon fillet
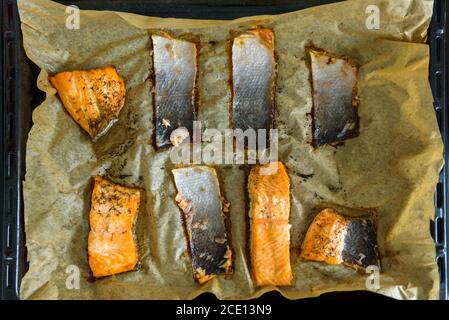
pixel 335 101
pixel 175 70
pixel 270 229
pixel 200 200
pixel 94 98
pixel 335 239
pixel 112 247
pixel 253 79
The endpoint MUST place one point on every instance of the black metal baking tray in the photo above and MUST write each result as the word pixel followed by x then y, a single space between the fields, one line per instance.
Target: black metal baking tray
pixel 19 96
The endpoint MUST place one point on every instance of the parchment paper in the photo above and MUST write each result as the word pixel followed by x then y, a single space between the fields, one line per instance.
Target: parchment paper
pixel 392 166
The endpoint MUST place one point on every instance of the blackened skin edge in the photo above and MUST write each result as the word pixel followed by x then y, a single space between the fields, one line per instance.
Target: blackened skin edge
pixel 204 247
pixel 326 133
pixel 360 248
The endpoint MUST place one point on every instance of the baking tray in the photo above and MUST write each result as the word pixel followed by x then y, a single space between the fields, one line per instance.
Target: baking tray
pixel 19 96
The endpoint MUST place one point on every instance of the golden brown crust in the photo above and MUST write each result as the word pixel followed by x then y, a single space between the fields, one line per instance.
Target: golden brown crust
pixel 266 35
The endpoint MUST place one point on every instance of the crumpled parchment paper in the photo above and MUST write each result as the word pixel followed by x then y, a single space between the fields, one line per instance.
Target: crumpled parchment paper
pixel 392 166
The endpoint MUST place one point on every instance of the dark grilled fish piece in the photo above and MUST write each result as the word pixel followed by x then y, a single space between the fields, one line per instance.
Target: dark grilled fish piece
pixel 335 101
pixel 253 78
pixel 200 200
pixel 334 238
pixel 175 68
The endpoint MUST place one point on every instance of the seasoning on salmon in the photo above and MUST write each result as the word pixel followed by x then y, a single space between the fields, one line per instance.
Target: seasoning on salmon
pixel 253 80
pixel 335 239
pixel 200 199
pixel 175 69
pixel 112 247
pixel 94 98
pixel 335 101
pixel 270 229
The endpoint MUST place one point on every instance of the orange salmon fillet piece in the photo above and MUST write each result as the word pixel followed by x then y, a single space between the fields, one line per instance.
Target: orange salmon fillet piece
pixel 335 238
pixel 324 240
pixel 94 98
pixel 270 230
pixel 112 248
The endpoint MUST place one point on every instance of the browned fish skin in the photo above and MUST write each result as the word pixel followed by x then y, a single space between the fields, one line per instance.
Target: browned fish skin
pixel 200 200
pixel 253 78
pixel 360 248
pixel 94 98
pixel 175 71
pixel 334 239
pixel 335 101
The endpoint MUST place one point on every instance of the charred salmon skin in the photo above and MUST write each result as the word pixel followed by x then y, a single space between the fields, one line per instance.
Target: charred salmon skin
pixel 175 69
pixel 94 98
pixel 253 79
pixel 270 229
pixel 335 101
pixel 200 200
pixel 334 239
pixel 112 247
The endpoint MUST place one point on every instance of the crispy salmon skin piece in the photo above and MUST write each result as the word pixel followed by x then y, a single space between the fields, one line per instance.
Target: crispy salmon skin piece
pixel 175 71
pixel 112 247
pixel 94 98
pixel 201 202
pixel 334 239
pixel 253 79
pixel 335 100
pixel 270 228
